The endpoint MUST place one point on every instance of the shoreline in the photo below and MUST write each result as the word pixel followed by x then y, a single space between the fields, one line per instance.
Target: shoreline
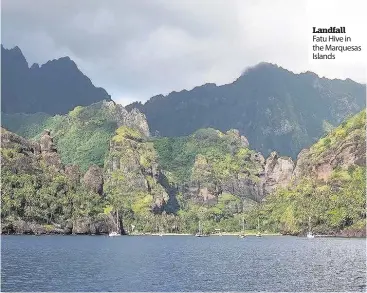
pixel 184 234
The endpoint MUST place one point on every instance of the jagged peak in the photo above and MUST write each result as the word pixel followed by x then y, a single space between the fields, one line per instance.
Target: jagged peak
pixel 14 49
pixel 16 53
pixel 63 61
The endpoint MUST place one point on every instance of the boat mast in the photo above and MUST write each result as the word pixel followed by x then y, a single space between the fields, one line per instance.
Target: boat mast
pixel 243 216
pixel 117 221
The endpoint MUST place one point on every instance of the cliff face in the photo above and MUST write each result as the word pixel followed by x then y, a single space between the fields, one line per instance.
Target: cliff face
pixel 344 147
pixel 326 190
pixel 131 170
pixel 82 136
pixel 147 178
pixel 132 119
pixel 273 107
pixel 210 163
pixel 42 196
pixel 278 172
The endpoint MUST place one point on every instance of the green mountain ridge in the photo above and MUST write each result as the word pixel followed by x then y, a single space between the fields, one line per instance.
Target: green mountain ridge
pixel 82 136
pixel 170 184
pixel 274 108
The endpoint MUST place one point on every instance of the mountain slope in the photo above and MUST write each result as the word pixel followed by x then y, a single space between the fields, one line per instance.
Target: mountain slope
pixel 39 195
pixel 55 87
pixel 172 183
pixel 328 186
pixel 82 136
pixel 274 108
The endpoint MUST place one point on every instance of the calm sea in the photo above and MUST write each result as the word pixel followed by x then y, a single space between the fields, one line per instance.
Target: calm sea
pixel 182 263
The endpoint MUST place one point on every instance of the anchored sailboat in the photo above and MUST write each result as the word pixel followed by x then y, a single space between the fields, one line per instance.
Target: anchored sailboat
pixel 118 230
pixel 200 233
pixel 258 228
pixel 309 233
pixel 242 234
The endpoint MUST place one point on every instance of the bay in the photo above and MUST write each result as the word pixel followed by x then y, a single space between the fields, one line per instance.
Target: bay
pixel 182 263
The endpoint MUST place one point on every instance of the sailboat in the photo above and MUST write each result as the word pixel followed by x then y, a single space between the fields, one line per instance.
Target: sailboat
pixel 309 233
pixel 242 235
pixel 258 228
pixel 116 233
pixel 200 233
pixel 160 232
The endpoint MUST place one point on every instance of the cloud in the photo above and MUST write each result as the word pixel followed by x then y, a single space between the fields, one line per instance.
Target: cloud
pixel 136 49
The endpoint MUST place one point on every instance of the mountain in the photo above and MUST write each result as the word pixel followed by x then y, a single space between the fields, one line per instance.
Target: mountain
pixel 273 107
pixel 170 184
pixel 210 163
pixel 55 87
pixel 328 186
pixel 82 136
pixel 42 196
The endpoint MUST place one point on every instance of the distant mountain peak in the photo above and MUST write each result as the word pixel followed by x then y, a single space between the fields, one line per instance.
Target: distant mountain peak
pixel 55 87
pixel 276 109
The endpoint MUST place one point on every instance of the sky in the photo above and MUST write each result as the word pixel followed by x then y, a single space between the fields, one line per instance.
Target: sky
pixel 138 49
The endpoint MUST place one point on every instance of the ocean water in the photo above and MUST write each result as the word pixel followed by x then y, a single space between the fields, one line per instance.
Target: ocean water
pixel 182 263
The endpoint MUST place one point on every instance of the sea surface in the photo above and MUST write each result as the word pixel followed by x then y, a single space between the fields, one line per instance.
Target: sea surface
pixel 182 263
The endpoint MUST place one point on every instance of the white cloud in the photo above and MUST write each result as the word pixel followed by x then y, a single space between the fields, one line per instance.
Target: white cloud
pixel 136 49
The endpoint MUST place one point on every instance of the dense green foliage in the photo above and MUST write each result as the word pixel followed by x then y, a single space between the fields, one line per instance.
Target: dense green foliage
pixel 225 153
pixel 36 193
pixel 82 136
pixel 332 206
pixel 149 200
pixel 26 125
pixel 353 129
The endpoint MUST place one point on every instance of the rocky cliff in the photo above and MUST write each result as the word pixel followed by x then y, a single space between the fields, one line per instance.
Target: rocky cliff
pixel 131 170
pixel 210 163
pixel 344 147
pixel 274 108
pixel 325 189
pixel 171 183
pixel 42 196
pixel 82 136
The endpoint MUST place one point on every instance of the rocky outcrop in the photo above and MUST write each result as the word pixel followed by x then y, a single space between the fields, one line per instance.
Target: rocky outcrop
pixel 49 151
pixel 10 140
pixel 38 164
pixel 72 172
pixel 278 172
pixel 132 119
pixel 81 226
pixel 93 179
pixel 133 161
pixel 25 155
pixel 22 227
pixel 136 119
pixel 344 147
